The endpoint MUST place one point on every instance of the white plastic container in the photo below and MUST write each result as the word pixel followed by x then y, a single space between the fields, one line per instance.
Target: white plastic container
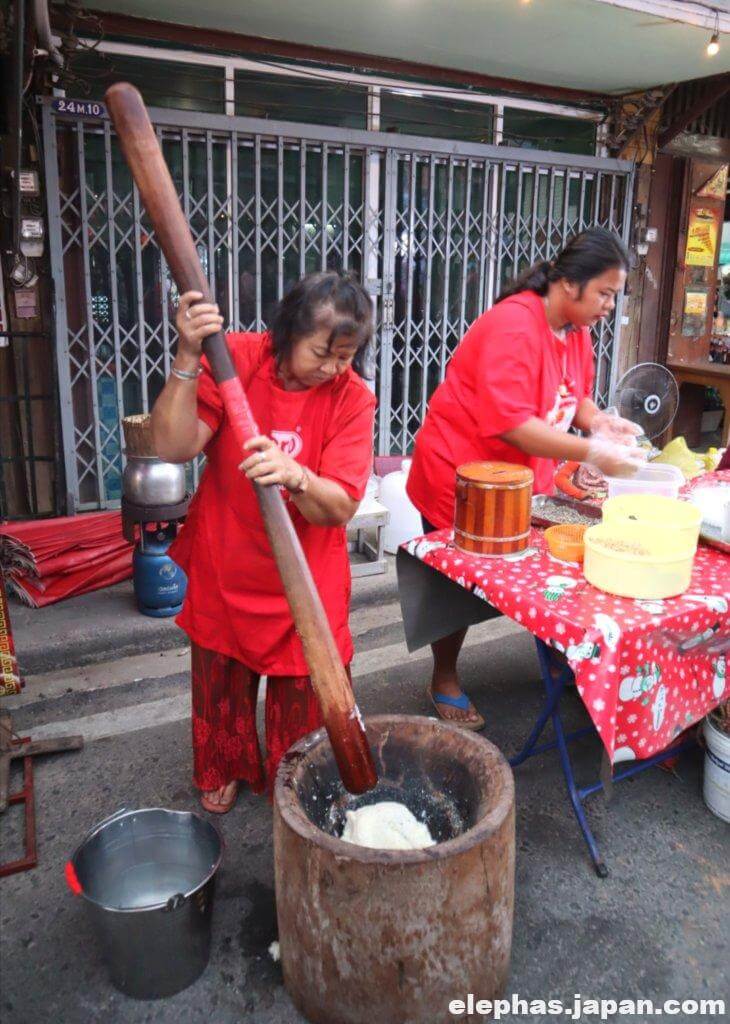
pixel 405 519
pixel 716 785
pixel 372 487
pixel 714 506
pixel 369 501
pixel 650 479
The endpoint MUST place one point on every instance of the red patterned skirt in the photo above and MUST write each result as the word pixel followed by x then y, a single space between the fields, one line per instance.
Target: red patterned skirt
pixel 225 741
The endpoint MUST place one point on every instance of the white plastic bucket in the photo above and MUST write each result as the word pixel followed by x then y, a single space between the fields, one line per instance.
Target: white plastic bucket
pixel 372 487
pixel 405 520
pixel 716 788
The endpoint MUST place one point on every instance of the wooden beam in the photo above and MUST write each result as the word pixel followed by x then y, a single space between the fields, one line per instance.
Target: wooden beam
pixel 123 26
pixel 665 200
pixel 713 92
pixel 623 145
pixel 700 147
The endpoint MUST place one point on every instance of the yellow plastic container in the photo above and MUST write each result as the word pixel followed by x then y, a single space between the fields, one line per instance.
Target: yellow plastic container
pixel 681 519
pixel 636 560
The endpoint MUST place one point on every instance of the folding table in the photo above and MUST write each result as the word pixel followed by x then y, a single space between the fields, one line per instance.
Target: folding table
pixel 645 670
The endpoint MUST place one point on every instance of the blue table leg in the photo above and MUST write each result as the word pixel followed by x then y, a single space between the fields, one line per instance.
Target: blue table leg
pixel 556 675
pixel 554 687
pixel 577 797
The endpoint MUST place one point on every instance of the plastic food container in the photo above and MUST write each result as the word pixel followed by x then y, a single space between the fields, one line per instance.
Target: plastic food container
pixel 681 519
pixel 714 506
pixel 566 541
pixel 660 480
pixel 635 560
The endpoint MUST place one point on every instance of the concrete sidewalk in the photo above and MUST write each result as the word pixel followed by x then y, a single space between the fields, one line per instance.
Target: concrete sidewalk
pixel 106 624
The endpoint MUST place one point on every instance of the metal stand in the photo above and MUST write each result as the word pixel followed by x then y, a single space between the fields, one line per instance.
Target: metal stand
pixel 133 514
pixel 12 746
pixel 556 675
pixel 370 514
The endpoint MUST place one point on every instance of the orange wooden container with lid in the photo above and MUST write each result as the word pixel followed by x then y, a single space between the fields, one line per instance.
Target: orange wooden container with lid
pixel 493 508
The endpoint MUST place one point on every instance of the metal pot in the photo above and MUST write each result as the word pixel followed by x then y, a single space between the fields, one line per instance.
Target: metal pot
pixel 150 481
pixel 147 879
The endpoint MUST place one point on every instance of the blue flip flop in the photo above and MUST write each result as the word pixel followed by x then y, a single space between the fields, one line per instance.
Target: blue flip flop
pixel 462 703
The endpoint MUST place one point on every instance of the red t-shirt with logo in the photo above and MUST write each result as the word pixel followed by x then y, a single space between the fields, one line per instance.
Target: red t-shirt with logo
pixel 509 367
pixel 235 601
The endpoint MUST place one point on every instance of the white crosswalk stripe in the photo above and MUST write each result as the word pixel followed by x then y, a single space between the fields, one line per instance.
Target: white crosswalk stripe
pixel 154 713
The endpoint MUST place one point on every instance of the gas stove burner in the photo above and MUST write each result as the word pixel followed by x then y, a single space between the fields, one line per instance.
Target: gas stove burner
pixel 153 513
pixel 133 514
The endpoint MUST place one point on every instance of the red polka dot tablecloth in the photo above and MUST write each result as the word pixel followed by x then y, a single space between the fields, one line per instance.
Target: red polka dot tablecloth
pixel 645 670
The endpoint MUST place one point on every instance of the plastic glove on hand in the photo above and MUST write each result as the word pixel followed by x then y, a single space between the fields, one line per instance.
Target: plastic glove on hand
pixel 615 428
pixel 614 458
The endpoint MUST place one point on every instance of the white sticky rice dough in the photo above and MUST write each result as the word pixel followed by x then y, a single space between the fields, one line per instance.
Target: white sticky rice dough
pixel 386 826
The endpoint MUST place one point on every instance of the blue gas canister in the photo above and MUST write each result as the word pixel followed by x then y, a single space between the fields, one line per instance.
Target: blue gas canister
pixel 159 584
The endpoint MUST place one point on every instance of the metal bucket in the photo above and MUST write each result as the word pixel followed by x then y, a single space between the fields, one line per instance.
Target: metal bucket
pixel 147 880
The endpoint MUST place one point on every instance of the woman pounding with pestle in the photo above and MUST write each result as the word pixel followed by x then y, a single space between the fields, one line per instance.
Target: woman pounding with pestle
pixel 519 380
pixel 315 415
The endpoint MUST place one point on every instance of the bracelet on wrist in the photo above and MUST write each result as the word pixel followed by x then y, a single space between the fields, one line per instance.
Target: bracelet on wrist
pixel 186 374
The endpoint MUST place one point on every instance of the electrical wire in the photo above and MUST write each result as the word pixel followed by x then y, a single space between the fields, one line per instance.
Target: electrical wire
pixel 710 8
pixel 317 75
pixel 339 87
pixel 30 116
pixel 317 79
pixel 475 134
pixel 322 73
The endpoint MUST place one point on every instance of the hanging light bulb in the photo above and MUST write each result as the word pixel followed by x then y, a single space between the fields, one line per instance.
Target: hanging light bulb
pixel 713 47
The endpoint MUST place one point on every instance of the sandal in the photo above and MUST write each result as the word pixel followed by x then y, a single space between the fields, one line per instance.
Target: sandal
pixel 462 703
pixel 219 807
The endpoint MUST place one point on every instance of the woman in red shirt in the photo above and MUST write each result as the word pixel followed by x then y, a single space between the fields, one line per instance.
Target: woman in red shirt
pixel 520 378
pixel 315 415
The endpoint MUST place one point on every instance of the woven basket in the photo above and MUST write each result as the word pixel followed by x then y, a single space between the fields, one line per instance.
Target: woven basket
pixel 138 435
pixel 566 542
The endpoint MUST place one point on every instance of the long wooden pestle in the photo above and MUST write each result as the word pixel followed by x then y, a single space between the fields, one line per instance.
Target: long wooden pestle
pixel 329 679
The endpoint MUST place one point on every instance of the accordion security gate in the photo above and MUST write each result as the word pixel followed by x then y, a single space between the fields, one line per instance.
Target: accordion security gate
pixel 432 228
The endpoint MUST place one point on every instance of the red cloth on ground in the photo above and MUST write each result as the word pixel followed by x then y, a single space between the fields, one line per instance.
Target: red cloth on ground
pixel 225 741
pixel 509 367
pixel 235 602
pixel 67 556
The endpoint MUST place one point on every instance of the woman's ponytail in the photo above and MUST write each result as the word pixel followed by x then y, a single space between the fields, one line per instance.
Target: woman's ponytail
pixel 535 279
pixel 587 255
